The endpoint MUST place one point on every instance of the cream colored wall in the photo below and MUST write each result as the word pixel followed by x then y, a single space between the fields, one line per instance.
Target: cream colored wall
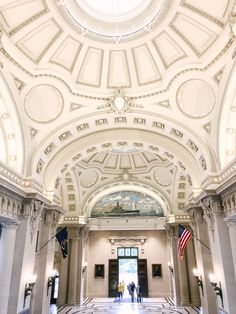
pixel 155 251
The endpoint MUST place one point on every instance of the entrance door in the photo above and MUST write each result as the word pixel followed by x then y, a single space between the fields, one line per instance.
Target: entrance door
pixel 128 272
pixel 113 278
pixel 142 276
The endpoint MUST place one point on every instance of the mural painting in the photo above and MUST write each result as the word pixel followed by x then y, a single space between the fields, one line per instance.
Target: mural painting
pixel 127 203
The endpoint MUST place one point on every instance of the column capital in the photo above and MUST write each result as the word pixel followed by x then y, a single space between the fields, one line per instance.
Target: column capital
pixel 172 231
pixel 212 207
pixel 229 204
pixel 9 224
pixel 74 232
pixel 32 210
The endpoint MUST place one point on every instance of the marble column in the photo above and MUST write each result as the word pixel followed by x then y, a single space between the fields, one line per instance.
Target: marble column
pixel 63 281
pixel 204 262
pixel 232 234
pixel 172 232
pixel 44 261
pixel 191 263
pixel 184 282
pixel 221 251
pixel 82 272
pixel 7 245
pixel 73 264
pixel 23 261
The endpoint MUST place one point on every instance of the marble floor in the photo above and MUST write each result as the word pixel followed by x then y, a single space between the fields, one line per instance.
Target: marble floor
pixel 108 306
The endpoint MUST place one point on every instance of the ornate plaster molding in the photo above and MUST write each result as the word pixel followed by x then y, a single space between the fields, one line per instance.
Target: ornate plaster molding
pixel 9 206
pixel 128 241
pixel 229 204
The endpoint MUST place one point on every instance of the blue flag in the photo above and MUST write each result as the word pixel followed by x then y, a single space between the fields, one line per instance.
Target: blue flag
pixel 62 238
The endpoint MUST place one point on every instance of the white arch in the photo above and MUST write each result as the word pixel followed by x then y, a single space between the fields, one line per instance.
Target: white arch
pixel 55 164
pixel 128 187
pixel 227 122
pixel 12 151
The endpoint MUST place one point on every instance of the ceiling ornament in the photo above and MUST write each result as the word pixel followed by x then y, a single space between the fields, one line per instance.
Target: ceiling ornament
pixel 218 76
pixel 207 127
pixel 88 178
pixel 44 103
pixel 119 103
pixel 19 83
pixel 114 21
pixel 163 176
pixel 74 106
pixel 202 98
pixel 33 132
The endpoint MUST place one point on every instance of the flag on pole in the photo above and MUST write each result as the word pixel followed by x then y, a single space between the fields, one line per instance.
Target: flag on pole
pixel 62 238
pixel 184 236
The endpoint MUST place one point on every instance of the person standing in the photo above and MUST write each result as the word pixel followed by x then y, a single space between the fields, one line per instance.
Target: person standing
pixel 120 290
pixel 132 289
pixel 139 294
pixel 123 288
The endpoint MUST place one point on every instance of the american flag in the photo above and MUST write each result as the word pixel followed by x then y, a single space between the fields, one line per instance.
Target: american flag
pixel 184 236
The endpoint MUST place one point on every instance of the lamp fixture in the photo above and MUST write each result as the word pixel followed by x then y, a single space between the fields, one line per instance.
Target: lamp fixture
pixel 217 287
pixel 84 267
pixel 29 287
pixel 170 267
pixel 198 278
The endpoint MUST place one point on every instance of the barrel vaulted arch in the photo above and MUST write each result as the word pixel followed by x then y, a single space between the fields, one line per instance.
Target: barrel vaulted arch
pixel 148 140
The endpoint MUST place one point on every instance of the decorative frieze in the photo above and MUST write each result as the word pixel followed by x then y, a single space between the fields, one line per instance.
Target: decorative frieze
pixel 127 241
pixel 229 204
pixel 10 207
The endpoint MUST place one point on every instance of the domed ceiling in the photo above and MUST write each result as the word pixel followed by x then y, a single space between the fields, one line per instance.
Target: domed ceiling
pixel 116 92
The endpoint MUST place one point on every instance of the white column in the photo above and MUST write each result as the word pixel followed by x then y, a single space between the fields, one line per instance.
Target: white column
pixel 63 281
pixel 44 262
pixel 232 235
pixel 7 245
pixel 73 264
pixel 24 252
pixel 191 263
pixel 184 282
pixel 81 279
pixel 173 234
pixel 204 263
pixel 221 251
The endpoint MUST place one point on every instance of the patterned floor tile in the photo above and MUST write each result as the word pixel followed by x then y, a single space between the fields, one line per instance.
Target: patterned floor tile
pixel 108 306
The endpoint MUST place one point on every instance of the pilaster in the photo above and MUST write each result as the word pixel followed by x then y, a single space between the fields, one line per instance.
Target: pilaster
pixel 221 250
pixel 7 245
pixel 44 260
pixel 172 232
pixel 204 259
pixel 24 254
pixel 73 263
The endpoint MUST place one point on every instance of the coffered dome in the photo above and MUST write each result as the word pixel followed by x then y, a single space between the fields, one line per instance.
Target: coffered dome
pixel 89 80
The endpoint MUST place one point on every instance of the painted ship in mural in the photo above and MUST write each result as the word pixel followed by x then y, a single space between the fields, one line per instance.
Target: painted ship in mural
pixel 118 210
pixel 127 203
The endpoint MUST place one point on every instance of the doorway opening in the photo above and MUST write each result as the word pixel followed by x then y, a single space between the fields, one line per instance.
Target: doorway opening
pixel 128 272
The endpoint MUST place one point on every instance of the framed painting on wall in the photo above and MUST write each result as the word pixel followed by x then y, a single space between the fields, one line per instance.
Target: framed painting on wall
pixel 156 270
pixel 99 271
